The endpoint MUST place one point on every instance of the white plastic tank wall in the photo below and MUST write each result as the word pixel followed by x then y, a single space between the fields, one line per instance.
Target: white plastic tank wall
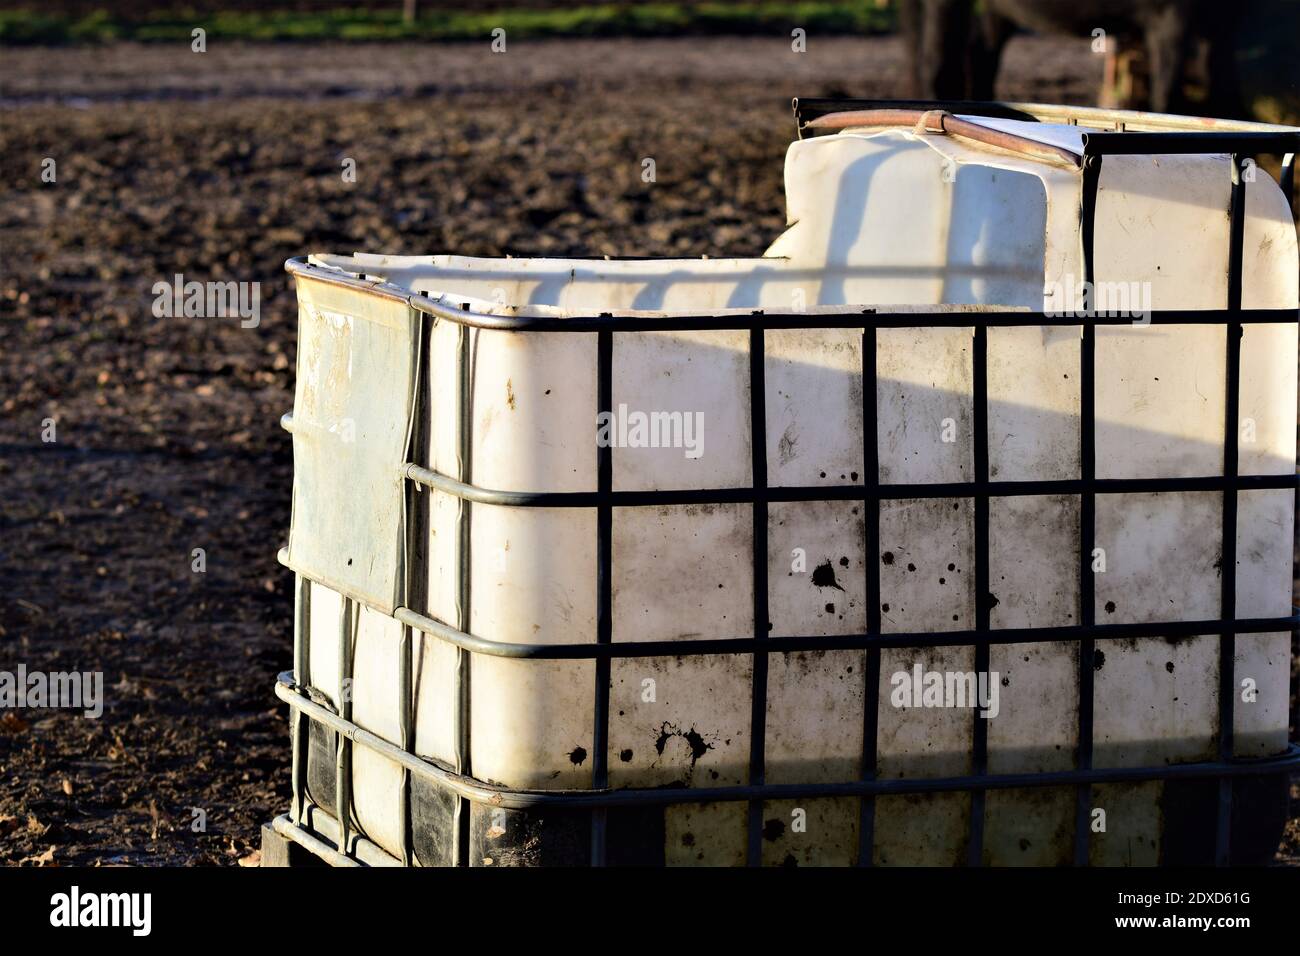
pixel 892 220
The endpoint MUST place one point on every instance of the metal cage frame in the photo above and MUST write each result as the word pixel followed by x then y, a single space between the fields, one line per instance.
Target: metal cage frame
pixel 330 836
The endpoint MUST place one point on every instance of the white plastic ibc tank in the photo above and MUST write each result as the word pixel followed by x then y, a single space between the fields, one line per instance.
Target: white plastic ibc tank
pixel 897 222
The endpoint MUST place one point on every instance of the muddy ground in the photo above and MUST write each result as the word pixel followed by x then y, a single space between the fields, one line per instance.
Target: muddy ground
pixel 220 166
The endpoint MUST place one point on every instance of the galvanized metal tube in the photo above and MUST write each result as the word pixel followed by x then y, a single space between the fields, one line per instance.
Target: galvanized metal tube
pixel 849 316
pixel 406 729
pixel 286 828
pixel 343 759
pixel 982 487
pixel 300 268
pixel 1142 120
pixel 359 849
pixel 302 676
pixel 414 570
pixel 517 799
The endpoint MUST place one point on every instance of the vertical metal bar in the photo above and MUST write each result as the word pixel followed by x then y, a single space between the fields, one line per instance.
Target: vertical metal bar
pixel 758 700
pixel 604 590
pixel 343 758
pixel 980 731
pixel 405 731
pixel 1287 179
pixel 415 568
pixel 1228 555
pixel 463 659
pixel 1087 509
pixel 300 724
pixel 871 551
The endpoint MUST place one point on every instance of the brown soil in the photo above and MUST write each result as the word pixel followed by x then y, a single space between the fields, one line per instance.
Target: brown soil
pixel 220 166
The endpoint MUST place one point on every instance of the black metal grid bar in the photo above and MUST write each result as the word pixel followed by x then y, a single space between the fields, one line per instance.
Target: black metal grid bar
pixel 885 491
pixel 1087 510
pixel 758 696
pixel 816 642
pixel 1149 144
pixel 847 319
pixel 604 590
pixel 1228 553
pixel 980 728
pixel 465 450
pixel 871 594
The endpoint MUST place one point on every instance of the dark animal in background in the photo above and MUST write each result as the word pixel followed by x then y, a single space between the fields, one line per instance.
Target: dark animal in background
pixel 937 37
pixel 954 50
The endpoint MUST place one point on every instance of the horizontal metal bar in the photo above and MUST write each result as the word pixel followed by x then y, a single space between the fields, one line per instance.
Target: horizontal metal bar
pixel 286 828
pixel 1138 143
pixel 852 316
pixel 749 645
pixel 772 645
pixel 322 830
pixel 519 799
pixel 299 266
pixel 718 322
pixel 847 492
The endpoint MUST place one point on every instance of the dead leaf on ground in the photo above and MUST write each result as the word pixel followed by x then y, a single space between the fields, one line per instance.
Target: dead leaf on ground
pixel 11 723
pixel 40 859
